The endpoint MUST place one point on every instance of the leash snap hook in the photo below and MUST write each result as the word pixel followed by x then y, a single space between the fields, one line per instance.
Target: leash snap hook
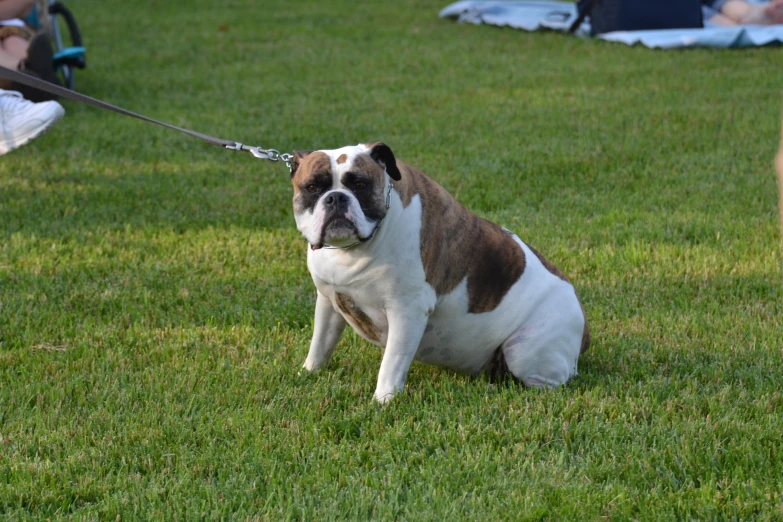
pixel 267 154
pixel 258 152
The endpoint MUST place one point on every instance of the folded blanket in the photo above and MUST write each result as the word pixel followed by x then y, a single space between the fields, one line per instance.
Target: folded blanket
pixel 557 16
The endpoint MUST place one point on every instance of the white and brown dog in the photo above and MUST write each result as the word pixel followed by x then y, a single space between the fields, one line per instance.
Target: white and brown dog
pixel 414 272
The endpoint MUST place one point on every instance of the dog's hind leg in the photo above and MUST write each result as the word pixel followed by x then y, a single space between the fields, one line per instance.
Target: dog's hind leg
pixel 543 357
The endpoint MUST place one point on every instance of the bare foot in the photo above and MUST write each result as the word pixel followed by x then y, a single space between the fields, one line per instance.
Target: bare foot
pixel 774 12
pixel 764 14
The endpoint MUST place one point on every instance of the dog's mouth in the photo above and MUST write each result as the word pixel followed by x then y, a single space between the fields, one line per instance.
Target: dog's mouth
pixel 337 230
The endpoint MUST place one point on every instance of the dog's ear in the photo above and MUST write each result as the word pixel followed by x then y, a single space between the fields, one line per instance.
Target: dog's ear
pixel 381 153
pixel 299 156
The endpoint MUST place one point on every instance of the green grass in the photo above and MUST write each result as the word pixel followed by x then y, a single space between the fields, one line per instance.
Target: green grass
pixel 155 306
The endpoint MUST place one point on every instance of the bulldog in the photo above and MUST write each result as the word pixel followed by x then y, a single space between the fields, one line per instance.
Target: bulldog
pixel 414 272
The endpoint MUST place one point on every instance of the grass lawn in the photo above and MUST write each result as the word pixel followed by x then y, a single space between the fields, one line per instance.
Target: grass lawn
pixel 155 306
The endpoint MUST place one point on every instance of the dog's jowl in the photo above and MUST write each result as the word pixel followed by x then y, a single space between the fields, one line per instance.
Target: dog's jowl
pixel 414 272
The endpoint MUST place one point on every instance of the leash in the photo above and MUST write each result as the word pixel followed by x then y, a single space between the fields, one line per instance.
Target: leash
pixel 37 83
pixel 258 152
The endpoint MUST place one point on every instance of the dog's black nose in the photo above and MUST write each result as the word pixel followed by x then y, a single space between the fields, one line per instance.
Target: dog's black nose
pixel 335 199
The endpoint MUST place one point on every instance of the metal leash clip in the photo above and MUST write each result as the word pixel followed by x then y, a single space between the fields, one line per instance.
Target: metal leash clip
pixel 267 154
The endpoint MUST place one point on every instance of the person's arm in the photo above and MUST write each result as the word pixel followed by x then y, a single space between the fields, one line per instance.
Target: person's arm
pixel 15 8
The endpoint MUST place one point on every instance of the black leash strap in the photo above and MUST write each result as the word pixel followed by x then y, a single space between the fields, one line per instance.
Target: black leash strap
pixel 37 83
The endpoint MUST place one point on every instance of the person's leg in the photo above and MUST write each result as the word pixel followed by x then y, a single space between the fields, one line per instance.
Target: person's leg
pixel 711 14
pixel 15 8
pixel 32 56
pixel 9 60
pixel 743 13
pixel 774 11
pixel 14 41
pixel 720 19
pixel 40 63
pixel 16 46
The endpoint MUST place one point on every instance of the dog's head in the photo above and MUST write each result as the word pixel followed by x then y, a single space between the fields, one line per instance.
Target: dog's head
pixel 340 195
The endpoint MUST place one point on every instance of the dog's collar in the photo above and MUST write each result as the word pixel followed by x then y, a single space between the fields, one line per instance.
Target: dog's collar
pixel 374 230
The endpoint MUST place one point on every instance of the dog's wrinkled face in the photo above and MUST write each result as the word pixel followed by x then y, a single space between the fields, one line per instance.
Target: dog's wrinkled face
pixel 340 195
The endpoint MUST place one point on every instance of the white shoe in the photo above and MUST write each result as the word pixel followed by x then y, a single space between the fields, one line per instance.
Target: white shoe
pixel 22 120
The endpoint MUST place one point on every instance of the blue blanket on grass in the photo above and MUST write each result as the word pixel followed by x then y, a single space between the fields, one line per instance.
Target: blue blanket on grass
pixel 535 15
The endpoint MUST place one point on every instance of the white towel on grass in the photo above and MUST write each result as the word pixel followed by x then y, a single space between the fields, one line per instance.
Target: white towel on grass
pixel 536 15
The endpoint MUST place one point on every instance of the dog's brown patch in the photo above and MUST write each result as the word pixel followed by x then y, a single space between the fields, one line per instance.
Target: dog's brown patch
pixel 498 263
pixel 363 324
pixel 342 158
pixel 313 169
pixel 309 166
pixel 456 244
pixel 297 159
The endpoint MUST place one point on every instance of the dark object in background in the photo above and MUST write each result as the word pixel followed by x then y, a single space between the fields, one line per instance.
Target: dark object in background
pixel 637 15
pixel 66 59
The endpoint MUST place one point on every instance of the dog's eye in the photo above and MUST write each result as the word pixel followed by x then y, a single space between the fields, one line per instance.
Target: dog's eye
pixel 360 185
pixel 312 189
